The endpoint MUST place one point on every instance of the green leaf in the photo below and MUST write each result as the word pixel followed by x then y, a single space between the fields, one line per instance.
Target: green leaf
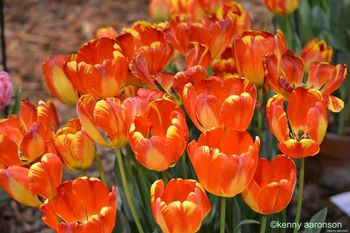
pixel 317 218
pixel 18 96
pixel 122 225
pixel 245 222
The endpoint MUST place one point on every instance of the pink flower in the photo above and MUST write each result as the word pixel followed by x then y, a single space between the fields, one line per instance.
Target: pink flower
pixel 5 89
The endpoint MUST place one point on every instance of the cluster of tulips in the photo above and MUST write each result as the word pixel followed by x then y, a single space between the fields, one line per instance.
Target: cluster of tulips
pixel 151 87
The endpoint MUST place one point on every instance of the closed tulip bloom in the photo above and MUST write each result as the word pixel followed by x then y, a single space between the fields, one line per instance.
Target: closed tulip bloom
pixel 75 147
pixel 250 50
pixel 179 206
pixel 45 176
pixel 57 81
pixel 27 137
pixel 99 68
pixel 159 135
pixel 272 187
pixel 15 181
pixel 103 120
pixel 282 7
pixel 215 102
pixel 316 51
pixel 224 161
pixel 83 205
pixel 5 89
pixel 301 129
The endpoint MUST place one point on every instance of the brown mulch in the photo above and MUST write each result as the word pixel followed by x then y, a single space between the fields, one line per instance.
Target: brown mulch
pixel 38 29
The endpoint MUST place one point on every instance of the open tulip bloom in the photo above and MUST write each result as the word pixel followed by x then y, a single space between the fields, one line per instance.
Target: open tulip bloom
pixel 182 100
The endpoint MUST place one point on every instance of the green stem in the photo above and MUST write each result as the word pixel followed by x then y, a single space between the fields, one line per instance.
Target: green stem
pixel 127 193
pixel 300 193
pixel 184 166
pixel 263 223
pixel 165 176
pixel 344 116
pixel 260 116
pixel 100 168
pixel 84 172
pixel 222 214
pixel 284 217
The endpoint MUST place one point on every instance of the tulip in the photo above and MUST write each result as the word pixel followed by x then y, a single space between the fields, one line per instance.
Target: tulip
pixel 225 65
pixel 15 181
pixel 241 19
pixel 99 68
pixel 214 103
pixel 282 7
pixel 108 32
pixel 28 136
pixel 57 81
pixel 197 54
pixel 103 120
pixel 160 9
pixel 302 128
pixel 45 176
pixel 158 135
pixel 224 161
pixel 316 51
pixel 82 205
pixel 180 206
pixel 75 147
pixel 250 50
pixel 5 89
pixel 192 75
pixel 286 75
pixel 272 187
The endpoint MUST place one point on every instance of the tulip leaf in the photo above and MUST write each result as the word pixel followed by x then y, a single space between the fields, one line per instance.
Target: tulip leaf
pixel 245 222
pixel 122 225
pixel 319 217
pixel 18 96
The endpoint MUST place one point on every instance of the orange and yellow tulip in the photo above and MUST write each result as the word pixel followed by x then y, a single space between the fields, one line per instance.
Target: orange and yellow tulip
pixel 192 75
pixel 180 206
pixel 103 120
pixel 316 51
pixel 74 146
pixel 160 9
pixel 282 7
pixel 45 176
pixel 99 68
pixel 57 81
pixel 108 32
pixel 15 181
pixel 83 205
pixel 159 135
pixel 307 117
pixel 272 187
pixel 215 102
pixel 285 76
pixel 197 54
pixel 250 50
pixel 224 161
pixel 28 136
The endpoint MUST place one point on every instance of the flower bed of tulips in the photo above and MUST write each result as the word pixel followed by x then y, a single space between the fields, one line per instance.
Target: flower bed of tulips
pixel 196 108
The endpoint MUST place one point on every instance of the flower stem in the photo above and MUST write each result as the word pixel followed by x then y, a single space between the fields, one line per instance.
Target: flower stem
pixel 222 214
pixel 263 223
pixel 260 116
pixel 165 176
pixel 100 168
pixel 127 193
pixel 300 193
pixel 184 166
pixel 284 217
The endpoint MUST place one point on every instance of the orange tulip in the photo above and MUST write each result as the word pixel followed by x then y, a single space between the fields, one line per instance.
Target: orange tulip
pixel 75 147
pixel 307 117
pixel 272 187
pixel 197 54
pixel 180 206
pixel 282 7
pixel 214 103
pixel 15 181
pixel 103 120
pixel 192 75
pixel 45 176
pixel 158 135
pixel 57 81
pixel 241 19
pixel 224 161
pixel 250 50
pixel 28 136
pixel 316 51
pixel 286 75
pixel 99 68
pixel 83 205
pixel 108 32
pixel 160 9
